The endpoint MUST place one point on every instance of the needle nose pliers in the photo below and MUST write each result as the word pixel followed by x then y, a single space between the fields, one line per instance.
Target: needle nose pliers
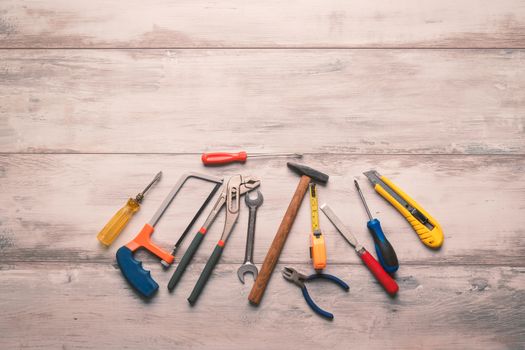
pixel 299 279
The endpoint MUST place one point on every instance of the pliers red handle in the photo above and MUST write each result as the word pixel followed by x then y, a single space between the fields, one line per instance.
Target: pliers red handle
pixel 299 279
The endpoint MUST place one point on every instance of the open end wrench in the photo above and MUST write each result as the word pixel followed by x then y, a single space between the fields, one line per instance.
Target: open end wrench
pixel 248 265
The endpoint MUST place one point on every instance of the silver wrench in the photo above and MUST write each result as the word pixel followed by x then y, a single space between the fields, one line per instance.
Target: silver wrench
pixel 248 265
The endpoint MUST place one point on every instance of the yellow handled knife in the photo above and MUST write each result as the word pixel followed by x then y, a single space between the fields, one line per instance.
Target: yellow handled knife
pixel 427 228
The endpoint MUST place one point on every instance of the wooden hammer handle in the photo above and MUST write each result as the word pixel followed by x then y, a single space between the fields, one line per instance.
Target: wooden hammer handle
pixel 272 256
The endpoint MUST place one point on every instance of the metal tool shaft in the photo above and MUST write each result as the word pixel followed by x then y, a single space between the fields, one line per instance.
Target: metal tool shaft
pixel 255 155
pixel 248 265
pixel 140 196
pixel 363 199
pixel 155 179
pixel 341 228
pixel 252 216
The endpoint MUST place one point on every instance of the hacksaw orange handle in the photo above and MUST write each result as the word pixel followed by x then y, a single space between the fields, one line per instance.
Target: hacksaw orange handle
pixel 143 240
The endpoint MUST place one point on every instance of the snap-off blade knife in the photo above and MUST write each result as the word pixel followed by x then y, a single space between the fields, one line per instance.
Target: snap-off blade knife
pixel 427 228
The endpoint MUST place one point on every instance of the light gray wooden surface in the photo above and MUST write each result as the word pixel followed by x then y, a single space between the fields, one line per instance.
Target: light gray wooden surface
pixel 342 101
pixel 97 96
pixel 238 23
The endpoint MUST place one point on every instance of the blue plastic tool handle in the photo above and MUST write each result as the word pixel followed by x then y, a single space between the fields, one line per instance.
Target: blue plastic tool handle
pixel 332 278
pixel 309 300
pixel 314 307
pixel 385 252
pixel 206 273
pixel 132 270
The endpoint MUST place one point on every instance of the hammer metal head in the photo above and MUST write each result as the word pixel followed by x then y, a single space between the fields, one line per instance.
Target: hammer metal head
pixel 315 175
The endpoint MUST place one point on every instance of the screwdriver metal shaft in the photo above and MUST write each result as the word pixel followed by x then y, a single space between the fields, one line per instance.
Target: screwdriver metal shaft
pixel 363 199
pixel 140 196
pixel 294 155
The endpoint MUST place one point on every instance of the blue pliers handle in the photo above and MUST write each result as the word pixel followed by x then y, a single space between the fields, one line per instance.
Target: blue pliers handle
pixel 299 279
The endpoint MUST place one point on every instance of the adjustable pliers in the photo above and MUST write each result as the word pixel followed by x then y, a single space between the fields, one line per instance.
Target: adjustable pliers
pixel 299 279
pixel 237 186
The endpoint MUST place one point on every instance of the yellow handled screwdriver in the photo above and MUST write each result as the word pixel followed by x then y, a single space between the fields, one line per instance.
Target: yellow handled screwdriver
pixel 117 223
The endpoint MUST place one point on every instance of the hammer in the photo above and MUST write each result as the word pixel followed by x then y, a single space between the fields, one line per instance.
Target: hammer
pixel 307 175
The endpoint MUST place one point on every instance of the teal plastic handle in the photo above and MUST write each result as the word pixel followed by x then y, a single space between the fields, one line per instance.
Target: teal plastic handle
pixel 185 261
pixel 206 273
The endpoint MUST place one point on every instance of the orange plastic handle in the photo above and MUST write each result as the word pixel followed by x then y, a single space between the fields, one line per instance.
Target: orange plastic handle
pixel 143 240
pixel 318 251
pixel 218 158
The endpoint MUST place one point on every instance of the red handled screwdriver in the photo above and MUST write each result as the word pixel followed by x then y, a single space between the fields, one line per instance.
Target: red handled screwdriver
pixel 220 158
pixel 375 268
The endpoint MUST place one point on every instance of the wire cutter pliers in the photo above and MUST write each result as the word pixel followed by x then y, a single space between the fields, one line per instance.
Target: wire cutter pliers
pixel 292 275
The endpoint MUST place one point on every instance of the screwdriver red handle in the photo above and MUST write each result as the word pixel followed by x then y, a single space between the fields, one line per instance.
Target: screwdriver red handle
pixel 218 158
pixel 382 277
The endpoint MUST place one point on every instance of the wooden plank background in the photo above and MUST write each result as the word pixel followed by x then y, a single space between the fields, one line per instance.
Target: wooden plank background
pixel 269 24
pixel 342 101
pixel 97 96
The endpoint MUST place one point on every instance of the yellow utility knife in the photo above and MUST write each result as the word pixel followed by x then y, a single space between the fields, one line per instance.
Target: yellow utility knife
pixel 317 244
pixel 427 228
